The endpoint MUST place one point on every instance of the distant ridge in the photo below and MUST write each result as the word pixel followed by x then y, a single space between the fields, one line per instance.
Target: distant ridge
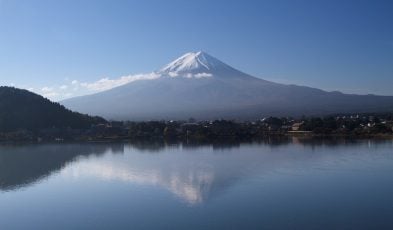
pixel 24 110
pixel 201 86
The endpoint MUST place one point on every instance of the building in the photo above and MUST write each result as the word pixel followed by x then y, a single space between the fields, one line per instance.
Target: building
pixel 296 126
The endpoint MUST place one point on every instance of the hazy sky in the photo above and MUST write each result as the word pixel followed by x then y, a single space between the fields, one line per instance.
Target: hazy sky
pixel 66 48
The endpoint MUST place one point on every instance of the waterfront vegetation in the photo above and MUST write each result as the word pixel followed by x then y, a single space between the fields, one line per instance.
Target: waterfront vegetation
pixel 355 125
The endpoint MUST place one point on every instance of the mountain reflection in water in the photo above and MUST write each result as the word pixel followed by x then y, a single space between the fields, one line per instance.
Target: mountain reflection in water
pixel 192 172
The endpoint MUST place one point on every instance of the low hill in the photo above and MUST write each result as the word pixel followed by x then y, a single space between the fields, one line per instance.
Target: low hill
pixel 22 109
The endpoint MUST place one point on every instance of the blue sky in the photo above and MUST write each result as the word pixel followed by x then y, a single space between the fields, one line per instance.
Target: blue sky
pixel 64 48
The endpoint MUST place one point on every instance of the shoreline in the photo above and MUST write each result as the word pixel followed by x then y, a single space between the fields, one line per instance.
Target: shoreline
pixel 217 139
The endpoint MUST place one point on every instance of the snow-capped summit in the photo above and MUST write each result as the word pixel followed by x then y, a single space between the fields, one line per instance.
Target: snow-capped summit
pixel 193 61
pixel 198 65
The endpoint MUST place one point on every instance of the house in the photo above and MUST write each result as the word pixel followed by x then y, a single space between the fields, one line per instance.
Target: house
pixel 296 126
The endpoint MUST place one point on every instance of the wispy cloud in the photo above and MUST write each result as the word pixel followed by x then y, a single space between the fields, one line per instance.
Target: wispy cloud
pixel 189 75
pixel 202 75
pixel 72 88
pixel 64 87
pixel 47 89
pixel 106 83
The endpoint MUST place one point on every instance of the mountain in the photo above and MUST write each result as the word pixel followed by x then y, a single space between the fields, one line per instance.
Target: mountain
pixel 201 86
pixel 21 109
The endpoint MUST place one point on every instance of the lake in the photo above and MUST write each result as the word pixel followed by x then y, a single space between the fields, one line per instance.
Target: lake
pixel 273 184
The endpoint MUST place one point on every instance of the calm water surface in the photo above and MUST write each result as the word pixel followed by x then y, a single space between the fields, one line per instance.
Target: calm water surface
pixel 292 184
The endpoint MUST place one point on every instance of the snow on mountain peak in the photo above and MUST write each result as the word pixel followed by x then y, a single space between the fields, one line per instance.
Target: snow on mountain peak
pixel 193 63
pixel 201 65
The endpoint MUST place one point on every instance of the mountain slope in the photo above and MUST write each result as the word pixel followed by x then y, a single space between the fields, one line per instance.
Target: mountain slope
pixel 21 109
pixel 199 85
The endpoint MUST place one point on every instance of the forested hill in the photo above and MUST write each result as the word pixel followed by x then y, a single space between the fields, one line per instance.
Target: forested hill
pixel 22 109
